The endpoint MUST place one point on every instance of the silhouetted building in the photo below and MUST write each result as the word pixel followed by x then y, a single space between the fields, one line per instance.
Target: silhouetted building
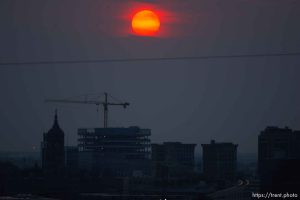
pixel 115 151
pixel 53 160
pixel 173 159
pixel 279 159
pixel 277 143
pixel 220 162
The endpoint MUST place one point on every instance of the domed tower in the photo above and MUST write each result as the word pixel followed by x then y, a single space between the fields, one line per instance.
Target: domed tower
pixel 53 158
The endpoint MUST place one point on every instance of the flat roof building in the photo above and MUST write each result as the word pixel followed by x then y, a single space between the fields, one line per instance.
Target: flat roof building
pixel 115 151
pixel 279 159
pixel 278 143
pixel 173 158
pixel 220 161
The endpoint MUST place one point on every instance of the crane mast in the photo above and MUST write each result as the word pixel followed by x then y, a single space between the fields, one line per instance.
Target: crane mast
pixel 104 103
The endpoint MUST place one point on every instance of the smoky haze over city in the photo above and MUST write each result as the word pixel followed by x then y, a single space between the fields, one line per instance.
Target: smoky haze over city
pixel 218 73
pixel 187 100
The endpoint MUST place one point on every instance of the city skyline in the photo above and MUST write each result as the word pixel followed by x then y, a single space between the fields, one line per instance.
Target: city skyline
pixel 149 99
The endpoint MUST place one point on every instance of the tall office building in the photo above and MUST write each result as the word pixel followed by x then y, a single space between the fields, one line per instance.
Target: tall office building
pixel 53 149
pixel 279 159
pixel 172 158
pixel 115 151
pixel 277 143
pixel 220 162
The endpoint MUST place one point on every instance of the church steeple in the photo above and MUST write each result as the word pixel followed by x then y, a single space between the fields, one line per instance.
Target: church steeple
pixel 55 118
pixel 55 128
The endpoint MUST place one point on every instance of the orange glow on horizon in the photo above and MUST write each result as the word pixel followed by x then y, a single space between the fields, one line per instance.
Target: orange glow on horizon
pixel 145 23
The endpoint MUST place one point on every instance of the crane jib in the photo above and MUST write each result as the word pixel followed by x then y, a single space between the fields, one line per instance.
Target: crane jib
pixel 105 104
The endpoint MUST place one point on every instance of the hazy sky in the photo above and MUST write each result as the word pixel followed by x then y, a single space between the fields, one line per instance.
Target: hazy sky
pixel 194 101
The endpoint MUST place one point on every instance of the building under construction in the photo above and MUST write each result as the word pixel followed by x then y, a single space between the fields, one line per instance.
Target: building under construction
pixel 110 151
pixel 115 151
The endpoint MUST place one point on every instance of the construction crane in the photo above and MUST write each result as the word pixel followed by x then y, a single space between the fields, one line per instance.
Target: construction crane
pixel 104 103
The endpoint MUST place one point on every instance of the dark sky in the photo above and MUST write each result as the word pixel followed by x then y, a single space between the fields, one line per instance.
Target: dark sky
pixel 193 101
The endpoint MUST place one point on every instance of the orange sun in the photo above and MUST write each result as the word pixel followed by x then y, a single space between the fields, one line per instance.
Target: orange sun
pixel 145 23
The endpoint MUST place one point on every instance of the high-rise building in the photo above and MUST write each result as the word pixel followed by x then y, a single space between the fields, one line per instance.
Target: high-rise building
pixel 279 159
pixel 220 162
pixel 277 143
pixel 173 158
pixel 115 151
pixel 53 149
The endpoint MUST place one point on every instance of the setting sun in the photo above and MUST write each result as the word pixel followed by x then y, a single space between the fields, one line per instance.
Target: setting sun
pixel 145 23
